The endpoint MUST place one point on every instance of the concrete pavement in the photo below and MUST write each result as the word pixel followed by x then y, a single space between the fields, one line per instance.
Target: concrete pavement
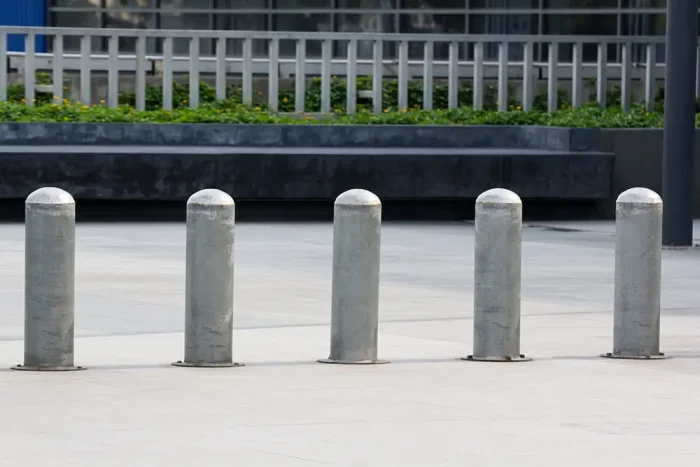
pixel 427 408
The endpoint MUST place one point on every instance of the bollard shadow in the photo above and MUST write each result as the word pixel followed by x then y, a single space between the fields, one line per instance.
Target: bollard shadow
pixel 669 355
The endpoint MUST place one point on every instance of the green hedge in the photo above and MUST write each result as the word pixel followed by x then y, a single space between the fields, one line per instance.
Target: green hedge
pixel 232 112
pixel 207 95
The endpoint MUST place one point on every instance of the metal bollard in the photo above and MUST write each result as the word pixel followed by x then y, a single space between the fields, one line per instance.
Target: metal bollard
pixel 497 272
pixel 355 295
pixel 637 310
pixel 49 291
pixel 209 280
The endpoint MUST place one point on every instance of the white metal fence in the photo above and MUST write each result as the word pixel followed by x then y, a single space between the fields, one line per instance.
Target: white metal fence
pixel 272 67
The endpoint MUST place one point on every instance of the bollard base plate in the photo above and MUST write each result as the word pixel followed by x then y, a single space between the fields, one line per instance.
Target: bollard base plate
pixel 47 368
pixel 352 362
pixel 659 356
pixel 207 365
pixel 518 358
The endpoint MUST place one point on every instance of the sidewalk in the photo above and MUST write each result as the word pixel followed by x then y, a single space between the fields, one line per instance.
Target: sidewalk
pixel 568 407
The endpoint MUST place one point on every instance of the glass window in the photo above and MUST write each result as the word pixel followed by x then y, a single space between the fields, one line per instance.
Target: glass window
pixel 581 4
pixel 643 3
pixel 187 21
pixel 587 25
pixel 186 4
pixel 305 23
pixel 75 3
pixel 289 4
pixel 367 4
pixel 503 24
pixel 235 22
pixel 434 4
pixel 76 20
pixel 130 3
pixel 431 23
pixel 366 23
pixel 240 4
pixel 523 4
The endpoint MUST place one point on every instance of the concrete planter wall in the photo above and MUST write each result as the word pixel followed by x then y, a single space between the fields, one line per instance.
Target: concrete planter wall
pixel 316 135
pixel 147 161
pixel 302 162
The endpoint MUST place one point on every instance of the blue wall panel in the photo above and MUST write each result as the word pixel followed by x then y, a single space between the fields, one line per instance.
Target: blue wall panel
pixel 23 13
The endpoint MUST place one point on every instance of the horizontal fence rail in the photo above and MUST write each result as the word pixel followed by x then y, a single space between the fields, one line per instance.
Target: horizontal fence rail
pixel 479 60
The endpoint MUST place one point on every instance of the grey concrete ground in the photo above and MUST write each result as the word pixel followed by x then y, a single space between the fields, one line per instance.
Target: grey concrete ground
pixel 427 408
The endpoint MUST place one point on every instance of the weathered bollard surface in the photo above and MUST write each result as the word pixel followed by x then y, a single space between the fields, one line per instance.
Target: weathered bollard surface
pixel 355 289
pixel 497 276
pixel 637 312
pixel 49 290
pixel 209 280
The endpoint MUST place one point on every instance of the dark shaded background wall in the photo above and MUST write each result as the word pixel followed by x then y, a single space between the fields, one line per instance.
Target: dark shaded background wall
pixel 638 162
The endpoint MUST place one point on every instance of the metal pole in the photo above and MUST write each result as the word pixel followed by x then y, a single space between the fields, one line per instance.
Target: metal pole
pixel 49 290
pixel 355 295
pixel 679 122
pixel 637 275
pixel 209 280
pixel 497 275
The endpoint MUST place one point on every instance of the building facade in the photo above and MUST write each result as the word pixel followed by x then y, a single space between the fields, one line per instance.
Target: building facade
pixel 589 17
pixel 561 17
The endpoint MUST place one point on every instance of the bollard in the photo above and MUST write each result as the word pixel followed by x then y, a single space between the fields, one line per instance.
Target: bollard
pixel 209 280
pixel 497 271
pixel 355 289
pixel 49 290
pixel 637 312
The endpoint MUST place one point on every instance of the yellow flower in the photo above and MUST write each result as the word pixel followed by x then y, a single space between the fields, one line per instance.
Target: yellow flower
pixel 258 108
pixel 259 93
pixel 519 108
pixel 386 111
pixel 55 98
pixel 285 100
pixel 102 102
pixel 85 107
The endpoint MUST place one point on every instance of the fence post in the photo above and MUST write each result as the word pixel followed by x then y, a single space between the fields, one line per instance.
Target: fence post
pixel 209 280
pixel 637 312
pixel 355 294
pixel 49 295
pixel 497 271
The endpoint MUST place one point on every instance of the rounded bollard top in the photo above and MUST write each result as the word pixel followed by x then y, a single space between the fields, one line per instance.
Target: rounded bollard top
pixel 50 195
pixel 639 196
pixel 498 196
pixel 357 197
pixel 211 197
